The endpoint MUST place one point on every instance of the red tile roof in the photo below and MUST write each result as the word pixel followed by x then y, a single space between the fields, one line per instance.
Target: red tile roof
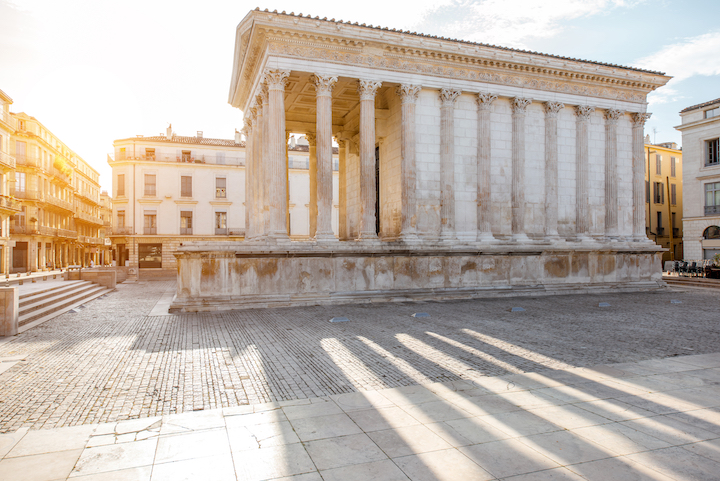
pixel 699 106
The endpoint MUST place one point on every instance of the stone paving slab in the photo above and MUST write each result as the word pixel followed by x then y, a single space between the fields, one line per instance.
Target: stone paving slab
pixel 335 437
pixel 113 361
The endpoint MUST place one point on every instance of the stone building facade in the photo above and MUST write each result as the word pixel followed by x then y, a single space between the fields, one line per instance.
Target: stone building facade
pixel 464 170
pixel 8 205
pixel 170 190
pixel 701 180
pixel 663 197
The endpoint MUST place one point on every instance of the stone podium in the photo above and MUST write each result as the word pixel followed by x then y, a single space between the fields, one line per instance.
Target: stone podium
pixel 465 170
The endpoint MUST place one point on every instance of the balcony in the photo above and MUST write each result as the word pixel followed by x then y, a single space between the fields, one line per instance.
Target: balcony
pixel 676 231
pixel 712 210
pixel 107 223
pixel 63 204
pixel 660 230
pixel 60 175
pixel 67 233
pixel 90 240
pixel 7 160
pixel 150 231
pixel 28 160
pixel 9 204
pixel 26 194
pixel 87 195
pixel 23 229
pixel 122 231
pixel 90 219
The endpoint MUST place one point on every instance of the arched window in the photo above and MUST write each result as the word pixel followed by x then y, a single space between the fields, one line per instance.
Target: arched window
pixel 712 232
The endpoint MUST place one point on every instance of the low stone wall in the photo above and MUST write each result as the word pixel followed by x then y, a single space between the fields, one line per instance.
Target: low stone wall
pixel 308 275
pixel 9 310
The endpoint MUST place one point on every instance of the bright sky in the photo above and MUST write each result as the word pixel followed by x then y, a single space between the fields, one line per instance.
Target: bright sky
pixel 95 71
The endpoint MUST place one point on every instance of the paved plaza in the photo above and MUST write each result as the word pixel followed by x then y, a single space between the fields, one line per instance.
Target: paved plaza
pixel 565 389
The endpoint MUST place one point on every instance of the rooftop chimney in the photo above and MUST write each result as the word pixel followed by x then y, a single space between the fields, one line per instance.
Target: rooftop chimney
pixel 199 134
pixel 238 137
pixel 169 131
pixel 292 142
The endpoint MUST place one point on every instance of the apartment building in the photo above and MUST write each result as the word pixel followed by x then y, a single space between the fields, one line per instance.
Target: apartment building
pixel 701 179
pixel 171 189
pixel 58 222
pixel 8 205
pixel 106 229
pixel 663 197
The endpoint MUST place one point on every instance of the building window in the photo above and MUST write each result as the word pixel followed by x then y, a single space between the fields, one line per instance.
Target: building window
pixel 121 185
pixel 220 223
pixel 711 152
pixel 150 223
pixel 20 182
pixel 658 193
pixel 220 192
pixel 658 164
pixel 673 162
pixel 712 198
pixel 185 186
pixel 149 256
pixel 150 154
pixel 647 191
pixel 673 194
pixel 220 158
pixel 150 185
pixel 121 219
pixel 712 113
pixel 122 155
pixel 186 156
pixel 186 222
pixel 20 217
pixel 659 229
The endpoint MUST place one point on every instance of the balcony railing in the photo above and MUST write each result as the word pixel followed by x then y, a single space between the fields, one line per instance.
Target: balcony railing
pixel 90 240
pixel 676 231
pixel 123 231
pixel 91 219
pixel 150 231
pixel 10 204
pixel 712 210
pixel 61 175
pixel 7 160
pixel 26 194
pixel 42 230
pixel 660 230
pixel 67 233
pixel 63 204
pixel 22 229
pixel 202 159
pixel 28 160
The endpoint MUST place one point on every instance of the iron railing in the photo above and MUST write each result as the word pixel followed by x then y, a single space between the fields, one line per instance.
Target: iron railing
pixel 712 209
pixel 7 160
pixel 8 203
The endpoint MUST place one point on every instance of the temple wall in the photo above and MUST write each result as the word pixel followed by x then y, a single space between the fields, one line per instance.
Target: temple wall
pixel 390 168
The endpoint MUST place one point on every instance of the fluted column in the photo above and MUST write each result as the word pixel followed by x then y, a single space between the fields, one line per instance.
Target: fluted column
pixel 287 181
pixel 611 176
pixel 551 168
pixel 408 177
pixel 638 149
pixel 261 155
pixel 582 164
pixel 368 189
pixel 447 163
pixel 249 201
pixel 323 127
pixel 277 166
pixel 342 190
pixel 484 167
pixel 517 191
pixel 312 166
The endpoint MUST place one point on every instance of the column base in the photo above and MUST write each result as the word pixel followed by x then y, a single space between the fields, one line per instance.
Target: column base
pixel 521 237
pixel 279 237
pixel 372 236
pixel 486 237
pixel 583 238
pixel 409 238
pixel 325 237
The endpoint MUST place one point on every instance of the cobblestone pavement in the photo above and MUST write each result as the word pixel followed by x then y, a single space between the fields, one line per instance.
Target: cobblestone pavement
pixel 112 362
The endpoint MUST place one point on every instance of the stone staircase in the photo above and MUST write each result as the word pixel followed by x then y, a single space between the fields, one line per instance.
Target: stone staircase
pixel 41 305
pixel 689 281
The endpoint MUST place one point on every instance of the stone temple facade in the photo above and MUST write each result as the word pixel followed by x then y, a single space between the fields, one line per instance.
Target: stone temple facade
pixel 466 170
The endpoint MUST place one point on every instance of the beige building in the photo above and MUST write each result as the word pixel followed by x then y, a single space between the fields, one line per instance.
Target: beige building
pixel 464 170
pixel 701 180
pixel 8 205
pixel 106 215
pixel 172 189
pixel 58 191
pixel 663 197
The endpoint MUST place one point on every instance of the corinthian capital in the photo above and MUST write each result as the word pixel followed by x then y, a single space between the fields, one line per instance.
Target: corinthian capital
pixel 262 96
pixel 408 93
pixel 367 89
pixel 583 112
pixel 519 105
pixel 323 83
pixel 311 139
pixel 247 128
pixel 553 108
pixel 448 96
pixel 639 118
pixel 276 79
pixel 612 115
pixel 485 99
